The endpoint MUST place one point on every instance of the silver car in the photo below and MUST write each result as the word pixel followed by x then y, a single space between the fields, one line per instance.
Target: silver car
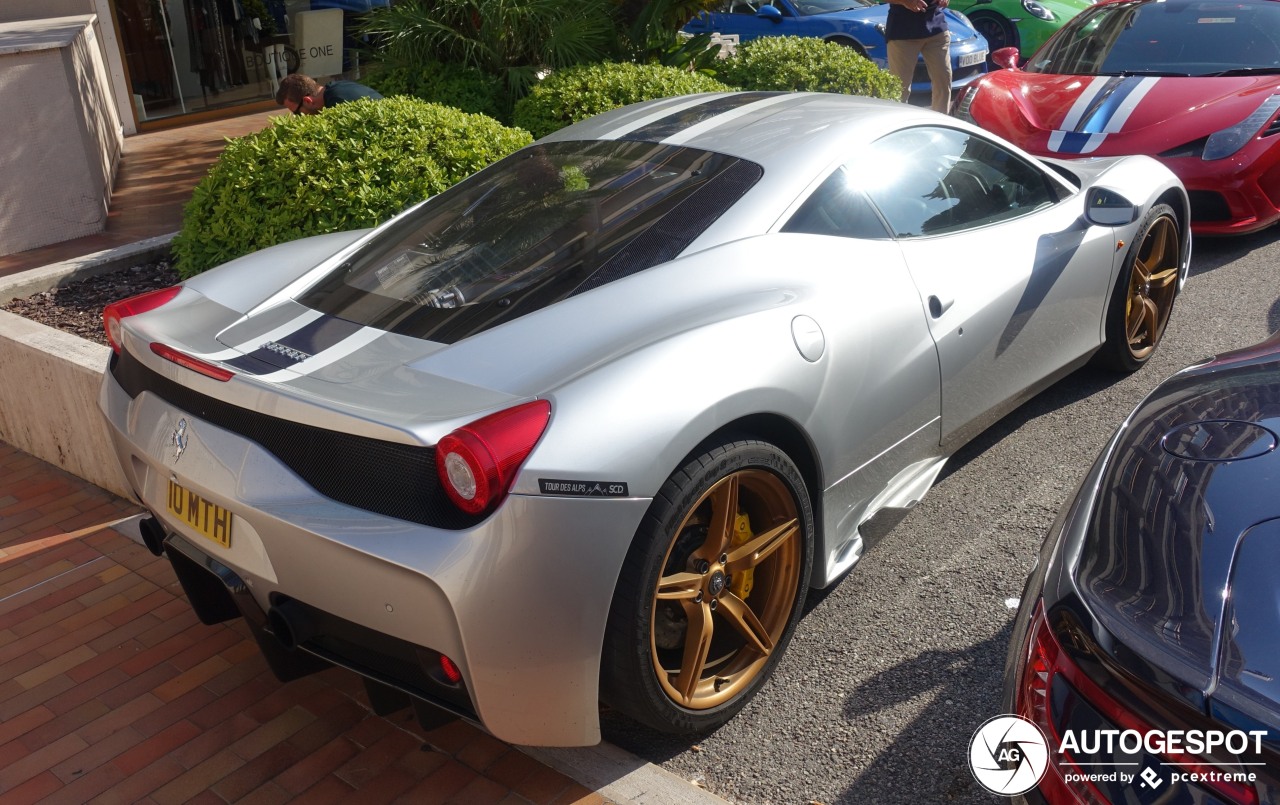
pixel 587 426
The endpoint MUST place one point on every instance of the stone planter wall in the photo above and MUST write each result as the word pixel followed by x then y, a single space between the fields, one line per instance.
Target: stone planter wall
pixel 49 379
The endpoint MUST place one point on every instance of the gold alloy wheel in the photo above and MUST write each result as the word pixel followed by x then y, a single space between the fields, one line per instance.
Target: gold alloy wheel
pixel 723 641
pixel 1153 282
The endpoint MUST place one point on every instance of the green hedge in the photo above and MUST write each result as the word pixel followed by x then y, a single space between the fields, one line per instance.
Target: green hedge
pixel 352 166
pixel 806 64
pixel 464 88
pixel 576 93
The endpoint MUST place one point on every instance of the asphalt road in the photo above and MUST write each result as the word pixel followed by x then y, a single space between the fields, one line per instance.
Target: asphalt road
pixel 893 669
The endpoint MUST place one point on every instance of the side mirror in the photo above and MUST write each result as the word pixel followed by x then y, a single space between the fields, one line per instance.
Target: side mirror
pixel 1006 58
pixel 1103 207
pixel 770 13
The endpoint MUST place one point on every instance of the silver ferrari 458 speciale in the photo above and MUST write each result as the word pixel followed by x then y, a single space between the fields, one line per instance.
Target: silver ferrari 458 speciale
pixel 587 426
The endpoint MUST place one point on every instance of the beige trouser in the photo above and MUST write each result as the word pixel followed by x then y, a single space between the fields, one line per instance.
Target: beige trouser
pixel 937 58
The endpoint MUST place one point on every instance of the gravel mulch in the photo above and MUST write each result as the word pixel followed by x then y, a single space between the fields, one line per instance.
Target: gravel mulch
pixel 77 307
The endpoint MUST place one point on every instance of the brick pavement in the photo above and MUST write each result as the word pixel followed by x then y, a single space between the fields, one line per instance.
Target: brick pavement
pixel 112 691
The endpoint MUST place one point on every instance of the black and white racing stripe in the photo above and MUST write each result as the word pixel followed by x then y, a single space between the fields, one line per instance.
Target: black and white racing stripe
pixel 675 125
pixel 300 346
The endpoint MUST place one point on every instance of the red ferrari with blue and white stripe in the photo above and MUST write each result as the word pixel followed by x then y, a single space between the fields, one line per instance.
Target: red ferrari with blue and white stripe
pixel 1193 83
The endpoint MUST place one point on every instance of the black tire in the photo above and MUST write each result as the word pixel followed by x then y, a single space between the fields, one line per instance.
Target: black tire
pixel 738 593
pixel 1145 291
pixel 998 31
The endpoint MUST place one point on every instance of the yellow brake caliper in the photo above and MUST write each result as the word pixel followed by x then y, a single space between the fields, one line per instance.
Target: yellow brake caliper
pixel 742 580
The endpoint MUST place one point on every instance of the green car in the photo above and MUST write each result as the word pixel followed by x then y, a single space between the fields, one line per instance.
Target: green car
pixel 1024 24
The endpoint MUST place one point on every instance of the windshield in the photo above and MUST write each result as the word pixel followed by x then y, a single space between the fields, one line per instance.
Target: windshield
pixel 542 224
pixel 1166 37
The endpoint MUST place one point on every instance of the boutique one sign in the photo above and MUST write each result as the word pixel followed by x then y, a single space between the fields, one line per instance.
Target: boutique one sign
pixel 316 47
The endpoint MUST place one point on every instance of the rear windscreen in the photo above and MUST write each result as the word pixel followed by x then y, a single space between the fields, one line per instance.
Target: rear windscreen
pixel 541 225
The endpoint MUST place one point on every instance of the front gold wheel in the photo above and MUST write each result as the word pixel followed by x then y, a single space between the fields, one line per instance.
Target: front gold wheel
pixel 1153 283
pixel 1144 292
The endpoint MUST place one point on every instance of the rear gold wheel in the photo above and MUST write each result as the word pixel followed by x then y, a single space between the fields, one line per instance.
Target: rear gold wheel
pixel 731 594
pixel 711 590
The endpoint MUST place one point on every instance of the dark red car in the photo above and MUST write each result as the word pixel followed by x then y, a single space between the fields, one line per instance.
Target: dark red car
pixel 1194 83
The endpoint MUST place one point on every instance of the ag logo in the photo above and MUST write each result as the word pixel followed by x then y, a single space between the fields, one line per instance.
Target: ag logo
pixel 1008 755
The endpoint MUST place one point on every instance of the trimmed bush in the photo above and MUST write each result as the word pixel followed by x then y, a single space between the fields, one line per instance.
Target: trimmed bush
pixel 806 64
pixel 352 166
pixel 576 93
pixel 464 88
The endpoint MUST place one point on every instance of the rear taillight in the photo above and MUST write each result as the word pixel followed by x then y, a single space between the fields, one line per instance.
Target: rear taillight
pixel 194 364
pixel 1046 659
pixel 478 462
pixel 115 312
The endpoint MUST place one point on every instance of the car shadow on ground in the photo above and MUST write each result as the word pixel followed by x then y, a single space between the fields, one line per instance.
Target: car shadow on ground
pixel 1209 253
pixel 1079 385
pixel 938 738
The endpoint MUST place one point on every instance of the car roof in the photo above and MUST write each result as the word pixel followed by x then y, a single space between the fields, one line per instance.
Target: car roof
pixel 776 130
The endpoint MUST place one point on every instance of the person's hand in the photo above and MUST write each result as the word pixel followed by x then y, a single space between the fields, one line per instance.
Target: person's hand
pixel 943 3
pixel 913 5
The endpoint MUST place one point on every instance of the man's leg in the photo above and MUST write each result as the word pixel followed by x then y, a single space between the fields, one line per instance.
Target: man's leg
pixel 903 54
pixel 937 57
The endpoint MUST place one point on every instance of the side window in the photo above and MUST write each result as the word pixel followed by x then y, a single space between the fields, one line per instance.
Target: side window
pixel 930 181
pixel 837 208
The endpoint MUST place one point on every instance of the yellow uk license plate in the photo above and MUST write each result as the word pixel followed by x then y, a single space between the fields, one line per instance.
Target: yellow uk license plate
pixel 211 520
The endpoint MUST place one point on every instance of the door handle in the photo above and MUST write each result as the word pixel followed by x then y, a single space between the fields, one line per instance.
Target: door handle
pixel 938 305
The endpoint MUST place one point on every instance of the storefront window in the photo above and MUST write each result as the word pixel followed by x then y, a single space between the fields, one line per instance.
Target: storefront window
pixel 187 56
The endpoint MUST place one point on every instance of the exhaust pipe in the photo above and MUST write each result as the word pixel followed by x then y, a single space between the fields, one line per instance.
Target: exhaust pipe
pixel 153 535
pixel 290 624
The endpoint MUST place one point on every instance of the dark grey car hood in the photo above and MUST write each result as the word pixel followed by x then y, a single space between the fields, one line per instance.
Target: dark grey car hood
pixel 1182 551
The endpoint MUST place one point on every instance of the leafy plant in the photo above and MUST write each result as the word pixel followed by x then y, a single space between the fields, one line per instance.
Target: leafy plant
pixel 653 34
pixel 464 88
pixel 577 93
pixel 806 64
pixel 512 39
pixel 352 166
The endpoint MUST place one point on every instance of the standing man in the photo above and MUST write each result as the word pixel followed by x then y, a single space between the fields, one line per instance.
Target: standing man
pixel 915 28
pixel 301 94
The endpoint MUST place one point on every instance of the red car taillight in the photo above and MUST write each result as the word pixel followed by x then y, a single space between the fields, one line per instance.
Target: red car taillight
pixel 115 312
pixel 477 462
pixel 1044 660
pixel 194 364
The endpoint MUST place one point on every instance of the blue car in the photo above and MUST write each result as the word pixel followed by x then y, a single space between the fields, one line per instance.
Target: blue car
pixel 856 23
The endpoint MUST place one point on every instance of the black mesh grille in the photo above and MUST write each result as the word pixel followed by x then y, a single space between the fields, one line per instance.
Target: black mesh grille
pixel 396 480
pixel 961 73
pixel 1206 205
